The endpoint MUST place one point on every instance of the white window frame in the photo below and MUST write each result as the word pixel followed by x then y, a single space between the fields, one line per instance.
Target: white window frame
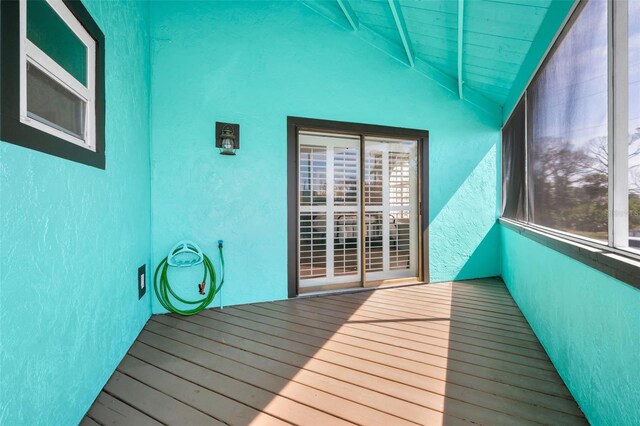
pixel 30 53
pixel 618 110
pixel 386 208
pixel 329 209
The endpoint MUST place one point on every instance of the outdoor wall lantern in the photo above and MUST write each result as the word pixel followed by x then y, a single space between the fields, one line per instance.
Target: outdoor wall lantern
pixel 227 138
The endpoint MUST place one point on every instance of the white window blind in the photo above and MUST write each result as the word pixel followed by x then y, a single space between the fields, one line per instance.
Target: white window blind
pixel 330 229
pixel 329 233
pixel 391 206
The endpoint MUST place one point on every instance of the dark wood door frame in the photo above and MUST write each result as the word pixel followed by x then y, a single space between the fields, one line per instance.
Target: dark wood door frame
pixel 294 125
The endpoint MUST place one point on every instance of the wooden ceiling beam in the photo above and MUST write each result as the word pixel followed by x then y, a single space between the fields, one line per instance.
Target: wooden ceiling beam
pixel 396 11
pixel 393 50
pixel 460 45
pixel 349 13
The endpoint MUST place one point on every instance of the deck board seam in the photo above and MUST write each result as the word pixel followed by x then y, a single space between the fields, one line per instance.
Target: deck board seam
pixel 426 327
pixel 502 298
pixel 138 410
pixel 457 340
pixel 272 306
pixel 498 325
pixel 269 372
pixel 524 332
pixel 344 366
pixel 458 324
pixel 462 298
pixel 368 312
pixel 453 300
pixel 437 306
pixel 433 365
pixel 393 302
pixel 549 368
pixel 513 415
pixel 217 372
pixel 505 363
pixel 254 385
pixel 164 393
pixel 401 299
pixel 95 420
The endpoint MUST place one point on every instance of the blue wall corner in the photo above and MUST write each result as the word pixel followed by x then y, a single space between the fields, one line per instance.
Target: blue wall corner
pixel 73 238
pixel 588 322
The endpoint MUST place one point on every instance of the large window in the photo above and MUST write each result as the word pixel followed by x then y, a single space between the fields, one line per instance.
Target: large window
pixel 582 166
pixel 567 117
pixel 52 79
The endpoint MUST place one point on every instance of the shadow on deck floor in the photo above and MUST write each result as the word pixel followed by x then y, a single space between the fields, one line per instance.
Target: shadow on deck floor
pixel 437 354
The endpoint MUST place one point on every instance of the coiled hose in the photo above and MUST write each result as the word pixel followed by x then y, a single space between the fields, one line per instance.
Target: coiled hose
pixel 164 291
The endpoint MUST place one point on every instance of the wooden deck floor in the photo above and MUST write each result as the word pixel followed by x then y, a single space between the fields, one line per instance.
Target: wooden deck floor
pixel 450 353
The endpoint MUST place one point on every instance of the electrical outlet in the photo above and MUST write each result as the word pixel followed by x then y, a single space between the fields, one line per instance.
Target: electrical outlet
pixel 142 281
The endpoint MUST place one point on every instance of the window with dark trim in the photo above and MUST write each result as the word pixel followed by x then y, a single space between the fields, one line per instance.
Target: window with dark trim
pixel 582 142
pixel 52 79
pixel 567 148
pixel 357 205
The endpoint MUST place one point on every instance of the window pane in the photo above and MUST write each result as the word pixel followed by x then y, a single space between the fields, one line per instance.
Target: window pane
pixel 634 124
pixel 373 242
pixel 313 175
pixel 329 205
pixel 346 235
pixel 391 204
pixel 513 170
pixel 313 245
pixel 52 104
pixel 568 163
pixel 345 176
pixel 48 31
pixel 400 239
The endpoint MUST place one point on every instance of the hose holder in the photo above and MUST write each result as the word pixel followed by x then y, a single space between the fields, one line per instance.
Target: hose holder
pixel 185 254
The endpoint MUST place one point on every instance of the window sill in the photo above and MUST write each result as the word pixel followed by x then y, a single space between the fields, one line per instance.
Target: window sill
pixel 622 267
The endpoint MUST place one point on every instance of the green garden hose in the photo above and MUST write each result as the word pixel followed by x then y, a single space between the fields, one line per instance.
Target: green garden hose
pixel 164 291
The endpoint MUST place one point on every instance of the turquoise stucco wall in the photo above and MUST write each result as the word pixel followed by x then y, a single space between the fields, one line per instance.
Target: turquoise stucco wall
pixel 72 238
pixel 588 322
pixel 255 63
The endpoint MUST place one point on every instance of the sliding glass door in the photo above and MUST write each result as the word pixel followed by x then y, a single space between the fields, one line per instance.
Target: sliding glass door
pixel 334 218
pixel 391 209
pixel 329 210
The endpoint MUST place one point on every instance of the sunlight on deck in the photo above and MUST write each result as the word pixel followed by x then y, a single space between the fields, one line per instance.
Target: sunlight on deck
pixel 449 353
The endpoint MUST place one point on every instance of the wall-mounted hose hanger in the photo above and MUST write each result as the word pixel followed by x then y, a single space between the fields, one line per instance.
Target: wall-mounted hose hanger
pixel 227 138
pixel 187 254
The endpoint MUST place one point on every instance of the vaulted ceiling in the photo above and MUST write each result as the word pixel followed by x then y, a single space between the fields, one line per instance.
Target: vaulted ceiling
pixel 475 48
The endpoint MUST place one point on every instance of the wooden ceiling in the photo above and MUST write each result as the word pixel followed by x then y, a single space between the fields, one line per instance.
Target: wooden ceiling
pixel 475 48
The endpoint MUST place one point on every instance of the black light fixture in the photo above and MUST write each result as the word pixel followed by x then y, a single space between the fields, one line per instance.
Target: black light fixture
pixel 227 138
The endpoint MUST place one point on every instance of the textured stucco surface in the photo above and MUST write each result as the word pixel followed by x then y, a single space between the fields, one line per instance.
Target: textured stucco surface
pixel 255 63
pixel 588 322
pixel 72 238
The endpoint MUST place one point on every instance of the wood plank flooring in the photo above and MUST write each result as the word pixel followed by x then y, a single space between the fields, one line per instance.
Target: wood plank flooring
pixel 455 353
